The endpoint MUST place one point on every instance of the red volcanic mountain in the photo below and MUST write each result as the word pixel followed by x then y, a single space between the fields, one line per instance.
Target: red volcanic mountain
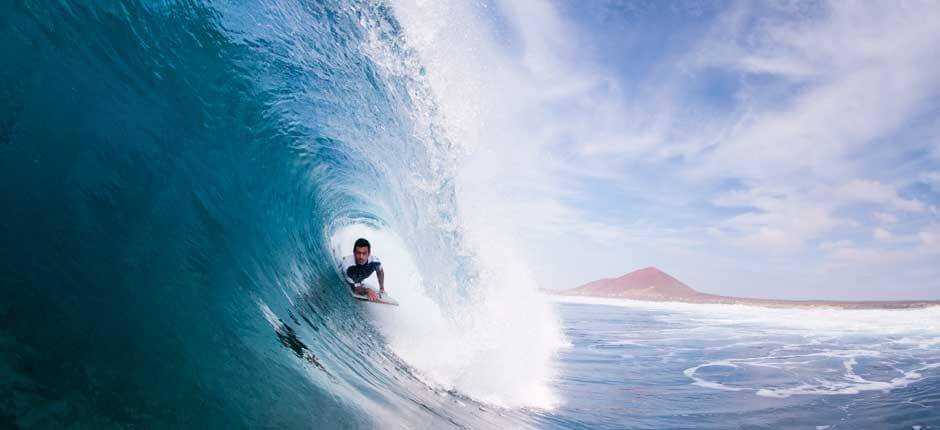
pixel 644 284
pixel 652 284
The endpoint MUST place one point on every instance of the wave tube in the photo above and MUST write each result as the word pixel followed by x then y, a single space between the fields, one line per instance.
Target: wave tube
pixel 177 181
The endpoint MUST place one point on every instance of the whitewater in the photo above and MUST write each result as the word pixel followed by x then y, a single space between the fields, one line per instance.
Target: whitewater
pixel 181 179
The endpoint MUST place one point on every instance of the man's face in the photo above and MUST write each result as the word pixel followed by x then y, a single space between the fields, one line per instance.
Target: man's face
pixel 362 255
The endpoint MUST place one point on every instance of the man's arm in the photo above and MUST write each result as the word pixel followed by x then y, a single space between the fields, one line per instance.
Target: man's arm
pixel 381 275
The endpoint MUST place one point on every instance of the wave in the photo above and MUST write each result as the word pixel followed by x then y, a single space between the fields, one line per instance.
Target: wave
pixel 179 180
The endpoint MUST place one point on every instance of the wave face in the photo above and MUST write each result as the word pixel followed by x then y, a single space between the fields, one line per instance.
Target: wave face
pixel 177 182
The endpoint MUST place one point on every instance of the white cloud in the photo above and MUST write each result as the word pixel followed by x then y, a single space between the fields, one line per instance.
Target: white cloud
pixel 862 71
pixel 540 120
pixel 778 219
pixel 930 237
pixel 840 254
pixel 853 76
pixel 768 237
pixel 932 179
pixel 833 245
pixel 885 217
pixel 874 192
pixel 882 234
pixel 867 256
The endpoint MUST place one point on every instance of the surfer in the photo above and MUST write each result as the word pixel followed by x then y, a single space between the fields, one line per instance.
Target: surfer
pixel 361 265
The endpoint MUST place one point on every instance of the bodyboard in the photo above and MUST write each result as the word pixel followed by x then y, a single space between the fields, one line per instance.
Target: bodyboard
pixel 383 299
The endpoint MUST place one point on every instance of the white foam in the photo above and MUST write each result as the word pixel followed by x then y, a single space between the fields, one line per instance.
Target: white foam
pixel 855 385
pixel 497 342
pixel 925 321
pixel 269 315
pixel 496 347
pixel 818 351
pixel 690 372
pixel 851 383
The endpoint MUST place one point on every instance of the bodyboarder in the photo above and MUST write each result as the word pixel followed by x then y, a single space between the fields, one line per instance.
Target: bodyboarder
pixel 361 265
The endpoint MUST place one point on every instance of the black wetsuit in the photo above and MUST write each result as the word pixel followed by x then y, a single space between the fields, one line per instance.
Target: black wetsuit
pixel 355 273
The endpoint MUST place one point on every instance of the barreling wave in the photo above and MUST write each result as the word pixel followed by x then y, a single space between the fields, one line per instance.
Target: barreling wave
pixel 177 180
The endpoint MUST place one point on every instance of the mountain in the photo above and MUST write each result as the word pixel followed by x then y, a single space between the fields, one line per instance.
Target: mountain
pixel 652 284
pixel 644 284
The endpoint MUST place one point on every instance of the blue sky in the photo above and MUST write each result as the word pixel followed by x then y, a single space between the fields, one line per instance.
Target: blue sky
pixel 774 149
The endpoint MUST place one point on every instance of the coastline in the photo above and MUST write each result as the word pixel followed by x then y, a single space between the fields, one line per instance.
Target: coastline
pixel 768 303
pixel 653 285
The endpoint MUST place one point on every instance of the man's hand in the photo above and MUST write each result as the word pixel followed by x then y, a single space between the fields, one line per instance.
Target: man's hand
pixel 371 294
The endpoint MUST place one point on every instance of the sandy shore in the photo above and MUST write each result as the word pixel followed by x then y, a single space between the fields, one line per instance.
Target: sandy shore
pixel 770 303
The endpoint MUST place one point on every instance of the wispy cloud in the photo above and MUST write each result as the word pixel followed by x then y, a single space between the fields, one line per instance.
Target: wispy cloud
pixel 932 179
pixel 874 192
pixel 930 237
pixel 882 234
pixel 743 131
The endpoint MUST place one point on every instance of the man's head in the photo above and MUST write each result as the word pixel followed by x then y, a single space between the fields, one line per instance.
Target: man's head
pixel 361 250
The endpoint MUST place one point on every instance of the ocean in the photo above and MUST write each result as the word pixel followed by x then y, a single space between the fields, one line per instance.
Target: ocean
pixel 645 365
pixel 180 178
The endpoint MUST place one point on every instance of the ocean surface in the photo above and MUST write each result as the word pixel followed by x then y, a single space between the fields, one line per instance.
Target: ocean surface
pixel 180 178
pixel 683 366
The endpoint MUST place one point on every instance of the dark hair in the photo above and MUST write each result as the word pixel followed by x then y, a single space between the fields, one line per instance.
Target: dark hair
pixel 362 242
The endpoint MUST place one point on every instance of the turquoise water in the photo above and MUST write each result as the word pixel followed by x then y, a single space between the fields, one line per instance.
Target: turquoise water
pixel 178 179
pixel 172 176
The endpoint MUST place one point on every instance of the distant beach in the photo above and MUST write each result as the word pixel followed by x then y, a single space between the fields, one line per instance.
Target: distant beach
pixel 652 284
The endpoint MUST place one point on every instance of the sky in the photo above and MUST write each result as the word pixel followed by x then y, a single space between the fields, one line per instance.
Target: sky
pixel 763 149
